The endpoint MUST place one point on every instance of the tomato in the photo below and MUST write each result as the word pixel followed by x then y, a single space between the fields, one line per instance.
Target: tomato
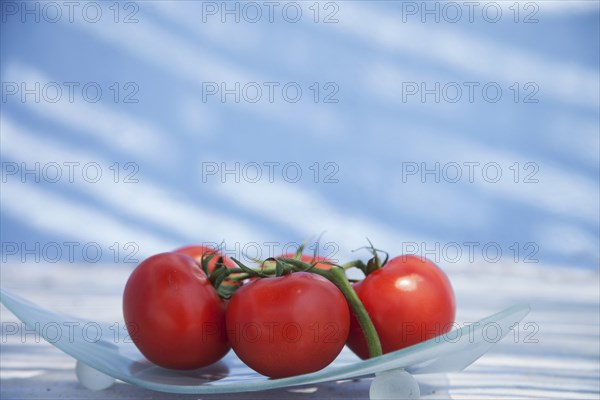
pixel 197 251
pixel 289 325
pixel 409 301
pixel 173 313
pixel 309 259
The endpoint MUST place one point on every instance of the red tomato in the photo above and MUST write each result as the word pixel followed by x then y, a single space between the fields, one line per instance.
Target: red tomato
pixel 288 325
pixel 173 313
pixel 197 251
pixel 409 301
pixel 309 259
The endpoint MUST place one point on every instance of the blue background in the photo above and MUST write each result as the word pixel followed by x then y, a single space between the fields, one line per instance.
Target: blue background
pixel 164 54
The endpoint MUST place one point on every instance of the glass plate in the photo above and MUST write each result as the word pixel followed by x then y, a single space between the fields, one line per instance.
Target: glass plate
pixel 450 352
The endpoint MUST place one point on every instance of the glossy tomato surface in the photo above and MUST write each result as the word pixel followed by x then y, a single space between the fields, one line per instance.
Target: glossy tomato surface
pixel 289 325
pixel 173 314
pixel 409 301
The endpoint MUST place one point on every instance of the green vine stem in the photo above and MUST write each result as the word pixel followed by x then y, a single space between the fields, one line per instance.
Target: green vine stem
pixel 238 274
pixel 354 264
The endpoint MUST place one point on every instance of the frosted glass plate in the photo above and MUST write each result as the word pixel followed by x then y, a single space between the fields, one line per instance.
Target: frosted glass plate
pixel 451 352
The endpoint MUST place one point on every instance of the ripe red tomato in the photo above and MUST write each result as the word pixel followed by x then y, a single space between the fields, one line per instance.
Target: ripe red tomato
pixel 173 313
pixel 309 259
pixel 409 301
pixel 197 251
pixel 288 325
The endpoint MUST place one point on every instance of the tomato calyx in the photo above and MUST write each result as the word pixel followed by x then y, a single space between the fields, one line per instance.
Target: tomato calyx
pixel 374 262
pixel 224 279
pixel 227 280
pixel 281 268
pixel 205 262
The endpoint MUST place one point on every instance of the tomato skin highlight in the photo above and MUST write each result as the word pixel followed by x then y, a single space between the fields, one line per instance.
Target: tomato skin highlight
pixel 288 325
pixel 409 300
pixel 173 313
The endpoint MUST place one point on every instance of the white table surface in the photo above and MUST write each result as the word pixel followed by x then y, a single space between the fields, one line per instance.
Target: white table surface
pixel 560 359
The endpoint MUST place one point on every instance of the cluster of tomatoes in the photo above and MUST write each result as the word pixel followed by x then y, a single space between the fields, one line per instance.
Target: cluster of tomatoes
pixel 293 315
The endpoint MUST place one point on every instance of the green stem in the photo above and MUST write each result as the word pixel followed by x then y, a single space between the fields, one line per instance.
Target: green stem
pixel 354 264
pixel 238 274
pixel 339 279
